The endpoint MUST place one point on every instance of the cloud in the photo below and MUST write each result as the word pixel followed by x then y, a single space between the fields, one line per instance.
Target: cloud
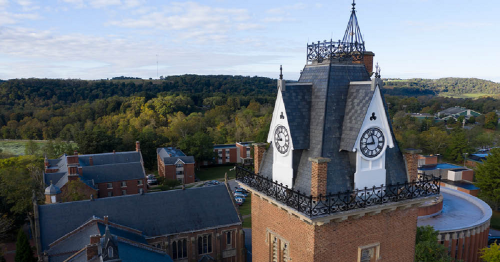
pixel 436 26
pixel 7 18
pixel 278 19
pixel 28 5
pixel 286 8
pixel 99 3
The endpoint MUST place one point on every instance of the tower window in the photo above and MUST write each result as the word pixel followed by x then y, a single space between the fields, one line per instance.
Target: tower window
pixel 204 244
pixel 110 252
pixel 228 238
pixel 369 253
pixel 179 249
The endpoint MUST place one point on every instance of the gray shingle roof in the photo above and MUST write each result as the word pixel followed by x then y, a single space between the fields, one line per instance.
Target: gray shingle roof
pixel 297 100
pixel 170 156
pixel 109 158
pixel 114 172
pixel 358 100
pixel 154 214
pixel 329 98
pixel 52 190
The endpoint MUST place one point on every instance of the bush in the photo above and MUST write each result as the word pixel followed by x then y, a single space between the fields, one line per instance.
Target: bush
pixel 24 253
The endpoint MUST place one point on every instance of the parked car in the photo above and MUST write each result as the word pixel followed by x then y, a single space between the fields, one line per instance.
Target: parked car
pixel 239 189
pixel 211 183
pixel 239 194
pixel 492 239
pixel 152 180
pixel 239 200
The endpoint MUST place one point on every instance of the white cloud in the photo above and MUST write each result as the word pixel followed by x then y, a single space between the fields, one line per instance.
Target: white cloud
pixel 28 5
pixel 286 8
pixel 98 3
pixel 7 18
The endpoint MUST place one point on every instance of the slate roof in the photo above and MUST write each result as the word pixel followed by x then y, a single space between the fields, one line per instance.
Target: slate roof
pixel 170 156
pixel 297 100
pixel 329 103
pixel 112 173
pixel 109 158
pixel 359 97
pixel 154 214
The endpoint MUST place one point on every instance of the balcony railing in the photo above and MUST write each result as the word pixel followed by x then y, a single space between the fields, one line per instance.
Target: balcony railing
pixel 342 201
pixel 334 50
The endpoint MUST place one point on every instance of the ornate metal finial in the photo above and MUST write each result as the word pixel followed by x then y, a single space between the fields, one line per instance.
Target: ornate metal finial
pixel 281 72
pixel 353 5
pixel 377 71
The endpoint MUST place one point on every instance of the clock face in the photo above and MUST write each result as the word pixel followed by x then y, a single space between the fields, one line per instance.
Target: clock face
pixel 372 142
pixel 281 139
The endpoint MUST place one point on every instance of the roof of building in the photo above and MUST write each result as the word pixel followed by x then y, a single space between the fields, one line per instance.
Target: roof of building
pixel 460 211
pixel 329 103
pixel 359 97
pixel 171 155
pixel 225 146
pixel 297 100
pixel 462 184
pixel 452 110
pixel 106 167
pixel 52 190
pixel 154 214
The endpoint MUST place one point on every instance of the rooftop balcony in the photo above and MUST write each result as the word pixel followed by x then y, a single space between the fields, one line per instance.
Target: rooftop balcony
pixel 313 207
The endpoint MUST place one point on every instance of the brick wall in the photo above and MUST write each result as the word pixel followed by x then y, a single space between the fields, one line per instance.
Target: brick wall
pixel 132 187
pixel 411 165
pixel 258 152
pixel 395 231
pixel 170 172
pixel 189 173
pixel 221 251
pixel 78 186
pixel 318 175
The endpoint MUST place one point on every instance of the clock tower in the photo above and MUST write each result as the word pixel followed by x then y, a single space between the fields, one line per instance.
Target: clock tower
pixel 332 184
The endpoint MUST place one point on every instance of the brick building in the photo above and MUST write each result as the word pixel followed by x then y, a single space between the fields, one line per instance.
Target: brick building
pixel 173 164
pixel 198 224
pixel 332 186
pixel 99 175
pixel 239 152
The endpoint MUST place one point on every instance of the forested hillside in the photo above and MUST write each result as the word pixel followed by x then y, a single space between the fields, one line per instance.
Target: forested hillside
pixel 451 85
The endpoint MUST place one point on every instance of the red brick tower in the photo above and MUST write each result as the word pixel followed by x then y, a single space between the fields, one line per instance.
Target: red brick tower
pixel 333 184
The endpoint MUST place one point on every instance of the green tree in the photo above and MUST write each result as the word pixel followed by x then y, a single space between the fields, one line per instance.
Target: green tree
pixel 199 145
pixel 31 148
pixel 434 140
pixel 491 120
pixel 488 178
pixel 427 248
pixel 491 254
pixel 24 253
pixel 458 146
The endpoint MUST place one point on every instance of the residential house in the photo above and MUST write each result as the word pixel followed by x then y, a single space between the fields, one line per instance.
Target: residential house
pixel 174 164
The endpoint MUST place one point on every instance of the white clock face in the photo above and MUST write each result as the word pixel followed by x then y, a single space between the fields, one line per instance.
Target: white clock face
pixel 372 142
pixel 281 139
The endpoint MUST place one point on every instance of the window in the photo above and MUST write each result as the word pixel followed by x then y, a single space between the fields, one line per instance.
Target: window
pixel 179 249
pixel 179 173
pixel 53 199
pixel 179 165
pixel 228 238
pixel 227 157
pixel 140 191
pixel 124 184
pixel 124 192
pixel 110 252
pixel 204 244
pixel 139 182
pixel 110 185
pixel 110 193
pixel 278 248
pixel 370 253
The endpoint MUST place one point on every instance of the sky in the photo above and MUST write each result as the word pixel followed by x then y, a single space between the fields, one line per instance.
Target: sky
pixel 98 39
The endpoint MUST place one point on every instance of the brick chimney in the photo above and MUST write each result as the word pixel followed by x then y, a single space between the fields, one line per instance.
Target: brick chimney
pixel 367 60
pixel 106 220
pixel 46 162
pixel 318 175
pixel 411 160
pixel 75 153
pixel 92 251
pixel 137 146
pixel 95 239
pixel 91 161
pixel 72 173
pixel 258 152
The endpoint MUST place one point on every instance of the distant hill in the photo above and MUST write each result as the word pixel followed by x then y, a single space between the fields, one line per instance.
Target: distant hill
pixel 449 85
pixel 42 92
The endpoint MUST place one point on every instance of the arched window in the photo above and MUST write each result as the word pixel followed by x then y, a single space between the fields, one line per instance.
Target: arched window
pixel 184 248
pixel 205 244
pixel 174 250
pixel 228 238
pixel 110 252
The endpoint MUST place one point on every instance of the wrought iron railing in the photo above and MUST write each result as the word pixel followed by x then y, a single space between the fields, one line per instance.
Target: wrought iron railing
pixel 334 50
pixel 342 201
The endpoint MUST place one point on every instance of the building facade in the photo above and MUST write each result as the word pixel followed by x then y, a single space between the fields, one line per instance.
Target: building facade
pixel 99 175
pixel 198 224
pixel 332 184
pixel 239 152
pixel 173 164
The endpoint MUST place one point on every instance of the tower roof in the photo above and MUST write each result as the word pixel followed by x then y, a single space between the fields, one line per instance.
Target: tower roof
pixel 52 189
pixel 353 34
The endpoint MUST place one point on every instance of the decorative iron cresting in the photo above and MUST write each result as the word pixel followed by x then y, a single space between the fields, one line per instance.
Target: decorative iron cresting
pixel 342 201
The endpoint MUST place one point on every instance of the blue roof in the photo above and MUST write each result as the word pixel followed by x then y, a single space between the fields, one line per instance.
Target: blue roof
pixel 224 146
pixel 439 166
pixel 461 184
pixel 132 253
pixel 122 233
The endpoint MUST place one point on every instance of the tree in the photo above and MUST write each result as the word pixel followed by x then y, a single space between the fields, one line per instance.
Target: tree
pixel 491 254
pixel 427 248
pixel 74 191
pixel 458 146
pixel 199 145
pixel 488 178
pixel 491 120
pixel 24 253
pixel 5 227
pixel 31 148
pixel 434 140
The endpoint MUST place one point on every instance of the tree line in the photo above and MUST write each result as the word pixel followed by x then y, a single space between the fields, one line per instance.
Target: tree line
pixel 452 85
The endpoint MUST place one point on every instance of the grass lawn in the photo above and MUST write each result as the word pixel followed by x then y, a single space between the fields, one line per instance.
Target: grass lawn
pixel 247 222
pixel 473 96
pixel 246 208
pixel 495 220
pixel 16 147
pixel 215 173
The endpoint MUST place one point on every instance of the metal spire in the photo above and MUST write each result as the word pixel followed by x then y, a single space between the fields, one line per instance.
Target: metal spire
pixel 353 34
pixel 281 72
